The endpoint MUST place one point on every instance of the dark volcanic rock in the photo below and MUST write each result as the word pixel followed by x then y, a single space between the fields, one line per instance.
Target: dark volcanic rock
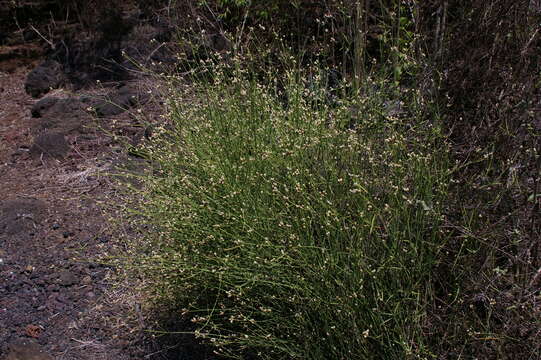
pixel 67 278
pixel 61 115
pixel 43 105
pixel 114 104
pixel 45 76
pixel 20 215
pixel 50 144
pixel 117 101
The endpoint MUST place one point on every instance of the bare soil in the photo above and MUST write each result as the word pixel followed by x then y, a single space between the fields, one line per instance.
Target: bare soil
pixel 56 301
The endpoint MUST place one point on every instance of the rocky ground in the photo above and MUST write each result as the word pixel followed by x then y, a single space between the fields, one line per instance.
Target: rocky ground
pixel 56 301
pixel 72 96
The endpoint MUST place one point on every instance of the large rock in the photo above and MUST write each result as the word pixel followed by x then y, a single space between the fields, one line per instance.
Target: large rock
pixel 48 75
pixel 49 144
pixel 61 115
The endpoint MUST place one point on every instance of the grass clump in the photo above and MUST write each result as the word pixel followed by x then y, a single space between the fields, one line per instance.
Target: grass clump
pixel 290 226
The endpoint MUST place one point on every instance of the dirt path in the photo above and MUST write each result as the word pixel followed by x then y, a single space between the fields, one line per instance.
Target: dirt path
pixel 53 301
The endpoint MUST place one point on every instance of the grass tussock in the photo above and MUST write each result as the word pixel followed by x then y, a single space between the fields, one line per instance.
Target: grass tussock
pixel 289 224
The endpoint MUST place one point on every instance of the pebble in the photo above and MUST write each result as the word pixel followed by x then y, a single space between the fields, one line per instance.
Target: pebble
pixel 67 278
pixel 52 288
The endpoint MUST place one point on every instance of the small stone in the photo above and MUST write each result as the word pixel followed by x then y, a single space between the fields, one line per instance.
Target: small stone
pixel 42 106
pixel 52 288
pixel 68 278
pixel 67 234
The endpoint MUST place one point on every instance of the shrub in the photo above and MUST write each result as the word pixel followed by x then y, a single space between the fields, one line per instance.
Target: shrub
pixel 300 228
